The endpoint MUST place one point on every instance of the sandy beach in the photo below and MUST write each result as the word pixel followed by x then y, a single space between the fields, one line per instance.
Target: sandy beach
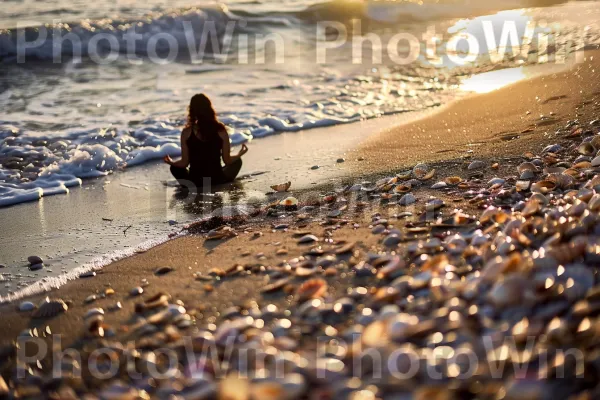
pixel 380 246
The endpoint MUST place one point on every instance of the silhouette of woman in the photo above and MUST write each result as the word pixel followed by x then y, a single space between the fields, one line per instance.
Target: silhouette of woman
pixel 204 141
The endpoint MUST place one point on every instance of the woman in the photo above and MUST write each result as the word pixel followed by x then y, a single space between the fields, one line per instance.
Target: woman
pixel 204 141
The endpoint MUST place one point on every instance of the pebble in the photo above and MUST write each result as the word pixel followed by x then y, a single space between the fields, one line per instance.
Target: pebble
pixel 34 260
pixel 340 160
pixel 90 274
pixel 314 167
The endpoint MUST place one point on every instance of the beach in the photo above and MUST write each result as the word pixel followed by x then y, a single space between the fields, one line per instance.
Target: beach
pixel 427 235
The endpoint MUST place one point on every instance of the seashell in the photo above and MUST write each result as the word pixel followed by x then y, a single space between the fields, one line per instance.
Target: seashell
pixel 312 289
pixel 305 271
pixel 391 269
pixel 282 187
pixel 275 286
pixel 522 186
pixel 157 301
pixel 453 180
pixel 26 306
pixel 582 165
pixel 407 200
pixel 50 308
pixel 496 181
pixel 420 171
pixel 35 260
pixel 136 291
pixel 392 241
pixel 596 141
pixel 89 274
pixel 594 202
pixel 434 204
pixel 428 175
pixel 308 239
pixel 289 202
pixel 475 165
pixel 439 185
pixel 527 175
pixel 543 187
pixel 543 200
pixel 596 162
pixel 562 181
pixel 532 207
pixel 527 166
pixel 163 271
pixel 404 188
pixel 586 149
pixel 552 148
pixel 221 233
pixel 93 312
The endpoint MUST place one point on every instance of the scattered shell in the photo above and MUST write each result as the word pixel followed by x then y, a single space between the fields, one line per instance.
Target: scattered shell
pixel 476 165
pixel 93 312
pixel 308 239
pixel 439 185
pixel 543 187
pixel 89 274
pixel 289 202
pixel 420 171
pixel 312 289
pixel 586 149
pixel 407 200
pixel 50 308
pixel 453 180
pixel 136 291
pixel 392 240
pixel 163 271
pixel 282 187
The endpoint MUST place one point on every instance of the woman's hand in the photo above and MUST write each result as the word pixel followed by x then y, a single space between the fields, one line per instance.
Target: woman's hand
pixel 168 160
pixel 243 150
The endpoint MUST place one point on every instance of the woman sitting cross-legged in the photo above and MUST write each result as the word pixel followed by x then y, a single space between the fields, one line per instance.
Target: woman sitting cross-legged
pixel 204 141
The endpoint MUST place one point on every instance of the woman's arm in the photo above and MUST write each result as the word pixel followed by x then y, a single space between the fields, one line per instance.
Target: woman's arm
pixel 185 156
pixel 226 149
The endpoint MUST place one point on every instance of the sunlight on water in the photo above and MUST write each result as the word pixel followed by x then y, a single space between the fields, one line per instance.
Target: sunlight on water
pixel 490 81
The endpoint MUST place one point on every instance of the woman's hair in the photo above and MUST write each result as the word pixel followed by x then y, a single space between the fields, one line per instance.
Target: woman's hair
pixel 202 116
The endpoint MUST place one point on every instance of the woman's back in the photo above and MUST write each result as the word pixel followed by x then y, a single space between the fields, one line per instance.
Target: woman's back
pixel 205 156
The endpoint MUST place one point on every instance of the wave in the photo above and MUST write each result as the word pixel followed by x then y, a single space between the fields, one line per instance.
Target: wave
pixel 185 29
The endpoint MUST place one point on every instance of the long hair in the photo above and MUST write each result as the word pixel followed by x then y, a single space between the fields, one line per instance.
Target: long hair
pixel 202 117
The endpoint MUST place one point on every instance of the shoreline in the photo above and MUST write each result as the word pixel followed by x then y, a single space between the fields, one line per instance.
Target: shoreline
pixel 381 146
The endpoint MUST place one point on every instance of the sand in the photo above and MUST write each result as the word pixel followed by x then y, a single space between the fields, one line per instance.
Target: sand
pixel 480 123
pixel 504 122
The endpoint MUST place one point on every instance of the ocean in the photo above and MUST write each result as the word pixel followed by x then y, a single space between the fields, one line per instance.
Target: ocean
pixel 91 88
